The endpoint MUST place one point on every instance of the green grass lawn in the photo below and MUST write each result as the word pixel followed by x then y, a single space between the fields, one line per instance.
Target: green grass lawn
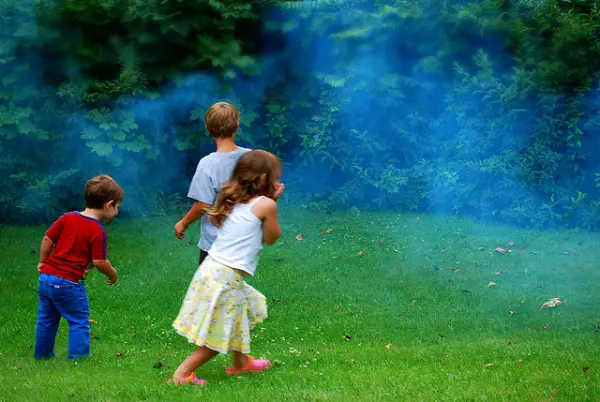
pixel 370 311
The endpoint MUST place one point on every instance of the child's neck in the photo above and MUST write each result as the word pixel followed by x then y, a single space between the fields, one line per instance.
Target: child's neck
pixel 225 144
pixel 93 213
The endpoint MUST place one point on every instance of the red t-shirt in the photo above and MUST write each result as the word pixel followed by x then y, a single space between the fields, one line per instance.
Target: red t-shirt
pixel 77 241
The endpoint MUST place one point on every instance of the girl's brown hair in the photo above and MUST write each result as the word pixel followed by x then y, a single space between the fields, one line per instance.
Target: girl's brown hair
pixel 256 173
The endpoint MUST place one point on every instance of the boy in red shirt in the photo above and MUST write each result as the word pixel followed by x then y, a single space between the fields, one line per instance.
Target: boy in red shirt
pixel 76 241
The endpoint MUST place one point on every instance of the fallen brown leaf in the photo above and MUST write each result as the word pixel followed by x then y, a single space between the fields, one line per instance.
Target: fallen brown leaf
pixel 413 303
pixel 492 283
pixel 519 361
pixel 159 364
pixel 511 313
pixel 119 354
pixel 361 253
pixel 555 301
pixel 489 365
pixel 93 322
pixel 329 230
pixel 16 368
pixel 388 346
pixel 299 237
pixel 586 369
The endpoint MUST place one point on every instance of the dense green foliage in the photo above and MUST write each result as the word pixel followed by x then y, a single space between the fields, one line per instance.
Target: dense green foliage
pixel 487 107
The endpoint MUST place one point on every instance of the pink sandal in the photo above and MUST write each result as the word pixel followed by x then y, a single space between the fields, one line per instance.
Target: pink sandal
pixel 252 365
pixel 192 379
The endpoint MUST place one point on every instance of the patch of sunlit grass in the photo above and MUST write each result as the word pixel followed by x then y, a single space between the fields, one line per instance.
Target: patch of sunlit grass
pixel 369 307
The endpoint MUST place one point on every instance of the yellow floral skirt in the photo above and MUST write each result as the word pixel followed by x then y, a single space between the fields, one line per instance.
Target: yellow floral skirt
pixel 220 309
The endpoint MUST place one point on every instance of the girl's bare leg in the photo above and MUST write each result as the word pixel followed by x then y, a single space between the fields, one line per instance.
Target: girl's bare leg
pixel 239 360
pixel 196 359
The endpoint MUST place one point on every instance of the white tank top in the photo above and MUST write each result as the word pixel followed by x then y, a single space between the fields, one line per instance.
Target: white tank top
pixel 239 241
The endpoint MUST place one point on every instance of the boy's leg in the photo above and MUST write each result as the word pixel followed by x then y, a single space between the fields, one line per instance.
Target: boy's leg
pixel 72 302
pixel 47 322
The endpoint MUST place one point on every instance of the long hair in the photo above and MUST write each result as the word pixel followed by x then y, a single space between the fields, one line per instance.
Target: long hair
pixel 256 173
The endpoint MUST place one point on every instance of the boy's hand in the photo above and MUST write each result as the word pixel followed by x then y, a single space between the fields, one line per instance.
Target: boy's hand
pixel 180 227
pixel 89 269
pixel 39 267
pixel 278 192
pixel 112 279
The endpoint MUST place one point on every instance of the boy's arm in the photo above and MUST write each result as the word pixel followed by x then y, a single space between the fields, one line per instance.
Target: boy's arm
pixel 45 251
pixel 99 256
pixel 196 212
pixel 202 192
pixel 50 239
pixel 107 269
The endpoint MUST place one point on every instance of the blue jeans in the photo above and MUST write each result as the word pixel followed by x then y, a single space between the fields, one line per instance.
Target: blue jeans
pixel 58 298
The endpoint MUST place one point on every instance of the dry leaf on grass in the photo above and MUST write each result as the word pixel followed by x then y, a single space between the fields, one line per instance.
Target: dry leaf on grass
pixel 361 253
pixel 492 283
pixel 511 313
pixel 413 303
pixel 119 354
pixel 93 322
pixel 489 365
pixel 299 237
pixel 159 364
pixel 388 346
pixel 328 230
pixel 500 250
pixel 555 301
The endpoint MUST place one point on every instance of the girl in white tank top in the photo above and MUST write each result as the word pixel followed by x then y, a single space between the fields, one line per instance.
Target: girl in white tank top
pixel 220 309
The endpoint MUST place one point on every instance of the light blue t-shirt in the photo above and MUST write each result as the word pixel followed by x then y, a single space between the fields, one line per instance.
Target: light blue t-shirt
pixel 212 172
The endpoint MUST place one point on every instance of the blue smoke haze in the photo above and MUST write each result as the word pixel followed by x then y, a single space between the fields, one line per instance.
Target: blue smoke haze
pixel 392 103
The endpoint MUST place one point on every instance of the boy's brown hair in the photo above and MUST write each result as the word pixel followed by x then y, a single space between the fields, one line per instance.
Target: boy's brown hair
pixel 101 189
pixel 222 120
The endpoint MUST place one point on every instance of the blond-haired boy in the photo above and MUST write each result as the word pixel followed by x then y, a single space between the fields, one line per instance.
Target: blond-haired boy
pixel 222 121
